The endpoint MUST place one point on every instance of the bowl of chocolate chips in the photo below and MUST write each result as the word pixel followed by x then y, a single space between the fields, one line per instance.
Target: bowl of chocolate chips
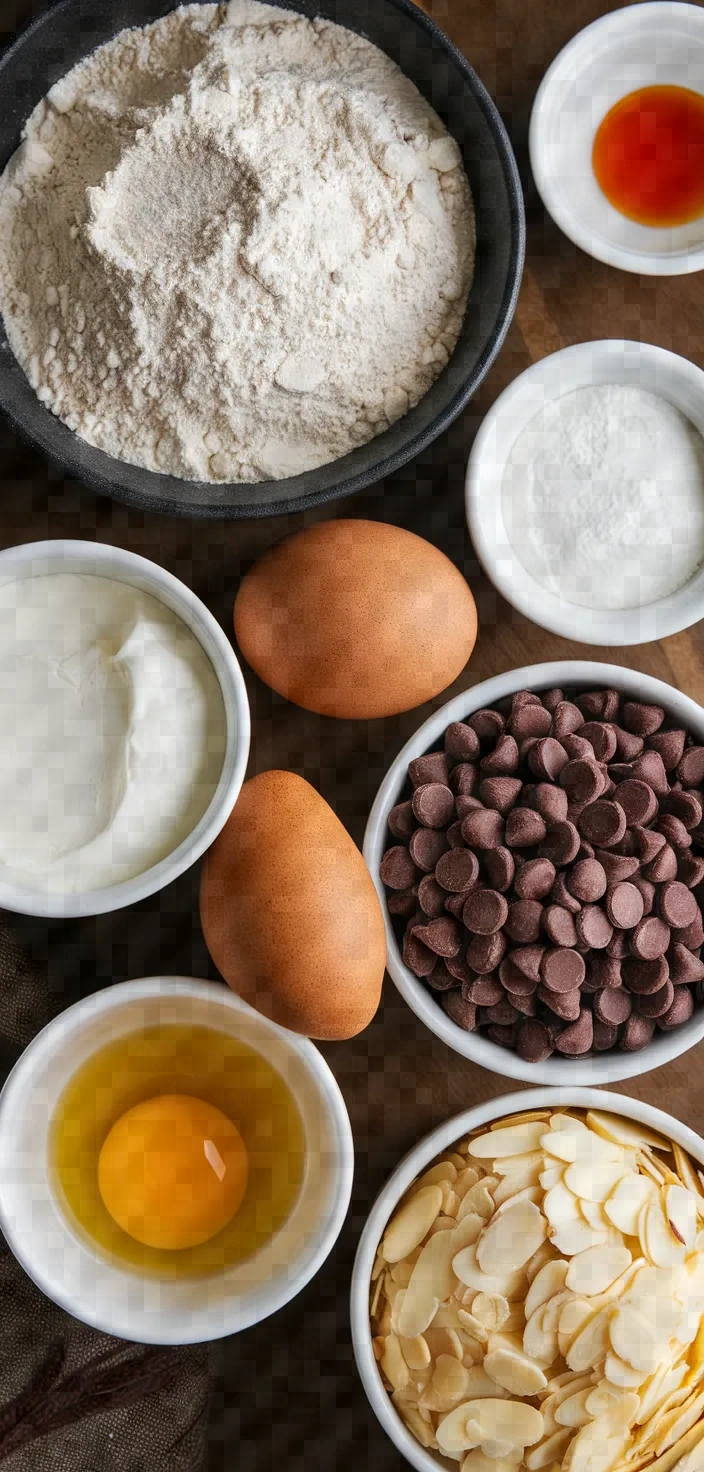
pixel 538 846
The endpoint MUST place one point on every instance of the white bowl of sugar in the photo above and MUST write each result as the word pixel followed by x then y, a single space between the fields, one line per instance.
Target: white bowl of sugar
pixel 585 493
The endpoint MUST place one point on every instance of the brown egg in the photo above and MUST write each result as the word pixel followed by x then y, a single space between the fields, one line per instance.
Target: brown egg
pixel 356 619
pixel 289 911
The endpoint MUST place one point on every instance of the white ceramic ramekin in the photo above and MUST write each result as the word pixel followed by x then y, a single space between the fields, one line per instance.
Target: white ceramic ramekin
pixel 35 559
pixel 414 1164
pixel 655 44
pixel 112 1297
pixel 602 1068
pixel 673 378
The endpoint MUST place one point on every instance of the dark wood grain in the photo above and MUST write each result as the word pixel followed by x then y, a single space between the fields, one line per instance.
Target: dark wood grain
pixel 286 1394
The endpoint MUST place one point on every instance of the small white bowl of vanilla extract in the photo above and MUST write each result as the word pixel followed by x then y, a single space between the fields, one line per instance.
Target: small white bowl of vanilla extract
pixel 617 138
pixel 174 1167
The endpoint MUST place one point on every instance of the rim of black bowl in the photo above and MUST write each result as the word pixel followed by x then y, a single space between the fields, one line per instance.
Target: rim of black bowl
pixel 97 470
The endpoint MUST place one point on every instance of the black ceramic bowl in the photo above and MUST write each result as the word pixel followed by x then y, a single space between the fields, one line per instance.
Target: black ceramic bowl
pixel 69 30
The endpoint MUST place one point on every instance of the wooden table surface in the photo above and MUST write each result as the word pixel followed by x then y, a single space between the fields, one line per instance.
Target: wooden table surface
pixel 286 1395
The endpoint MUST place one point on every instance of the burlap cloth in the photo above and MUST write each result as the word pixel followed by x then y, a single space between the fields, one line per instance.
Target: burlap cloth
pixel 165 1430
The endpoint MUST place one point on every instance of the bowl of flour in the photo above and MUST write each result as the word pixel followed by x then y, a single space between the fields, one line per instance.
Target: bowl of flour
pixel 252 257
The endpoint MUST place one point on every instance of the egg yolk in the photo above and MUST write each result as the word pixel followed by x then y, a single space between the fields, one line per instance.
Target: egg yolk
pixel 173 1171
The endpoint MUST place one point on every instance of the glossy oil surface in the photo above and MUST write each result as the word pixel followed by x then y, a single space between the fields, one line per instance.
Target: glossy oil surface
pixel 648 156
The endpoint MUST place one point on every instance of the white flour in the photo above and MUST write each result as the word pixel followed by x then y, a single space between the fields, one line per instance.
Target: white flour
pixel 234 245
pixel 603 497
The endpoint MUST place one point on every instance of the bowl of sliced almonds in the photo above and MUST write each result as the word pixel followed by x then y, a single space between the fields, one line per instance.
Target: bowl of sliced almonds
pixel 528 1293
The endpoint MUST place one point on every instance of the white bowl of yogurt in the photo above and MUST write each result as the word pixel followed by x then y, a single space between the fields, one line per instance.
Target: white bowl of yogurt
pixel 585 493
pixel 125 731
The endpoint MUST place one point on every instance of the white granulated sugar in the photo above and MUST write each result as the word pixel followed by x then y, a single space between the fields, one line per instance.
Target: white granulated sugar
pixel 603 497
pixel 234 245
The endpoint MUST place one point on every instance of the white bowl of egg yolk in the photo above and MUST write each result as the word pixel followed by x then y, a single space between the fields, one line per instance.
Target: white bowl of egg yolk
pixel 174 1167
pixel 617 138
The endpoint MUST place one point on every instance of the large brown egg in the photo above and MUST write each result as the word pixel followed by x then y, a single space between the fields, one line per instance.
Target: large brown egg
pixel 289 912
pixel 356 619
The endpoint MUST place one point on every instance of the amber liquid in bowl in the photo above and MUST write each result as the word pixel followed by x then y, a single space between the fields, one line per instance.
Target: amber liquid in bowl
pixel 648 156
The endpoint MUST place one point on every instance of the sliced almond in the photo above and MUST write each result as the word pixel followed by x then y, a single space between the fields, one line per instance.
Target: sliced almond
pixel 546 1253
pixel 591 1343
pixel 530 1116
pixel 447 1317
pixel 511 1238
pixel 444 1341
pixel 539 1343
pixel 472 1325
pixel 492 1310
pixel 688 1174
pixel 552 1175
pixel 517 1139
pixel 486 1421
pixel 376 1298
pixel 443 1171
pixel 481 1384
pixel 548 1451
pixel 671 1458
pixel 548 1281
pixel 466 1178
pixel 633 1339
pixel 448 1385
pixel 450 1201
pixel 574 1314
pixel 477 1461
pixel 593 1179
pixel 515 1372
pixel 465 1209
pixel 442 1224
pixel 393 1363
pixel 573 1411
pixel 561 1206
pixel 469 1272
pixel 516 1321
pixel 417 1426
pixel 479 1200
pixel 621 1374
pixel 624 1205
pixel 658 1388
pixel 431 1282
pixel 577 1236
pixel 658 1241
pixel 416 1352
pixel 679 1422
pixel 531 1164
pixel 594 1215
pixel 412 1223
pixel 680 1207
pixel 622 1131
pixel 458 1161
pixel 593 1271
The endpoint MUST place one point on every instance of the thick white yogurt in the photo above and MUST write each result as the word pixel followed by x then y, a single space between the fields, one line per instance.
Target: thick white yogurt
pixel 112 736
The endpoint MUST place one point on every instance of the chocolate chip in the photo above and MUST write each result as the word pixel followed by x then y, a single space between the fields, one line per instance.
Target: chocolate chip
pixel 533 1042
pixel 587 881
pixel 402 821
pixel 500 793
pixel 670 746
pixel 649 768
pixel 690 768
pixel 486 952
pixel 674 831
pixel 690 870
pixel 404 903
pixel 530 720
pixel 663 866
pixel 485 911
pixel 553 698
pixel 566 719
pixel 457 870
pixel 644 977
pixel 637 1033
pixel 524 828
pixel 453 835
pixel 488 724
pixel 599 705
pixel 677 905
pixel 561 970
pixel 603 823
pixel 464 805
pixel 618 945
pixel 417 957
pixel 642 720
pixel 443 936
pixel 397 869
pixel 431 897
pixel 559 926
pixel 502 1036
pixel 602 739
pixel 648 843
pixel 620 771
pixel 603 971
pixel 646 891
pixel 514 980
pixel 434 767
pixel 651 938
pixel 461 742
pixel 458 968
pixel 426 847
pixel 560 895
pixel 551 802
pixel 577 1037
pixel 691 936
pixel 656 1004
pixel 454 904
pixel 459 1010
pixel 624 906
pixel 617 866
pixel 605 1036
pixel 593 927
pixel 685 967
pixel 535 879
pixel 502 761
pixel 547 759
pixel 485 991
pixel 464 780
pixel 628 746
pixel 613 1005
pixel 561 844
pixel 524 697
pixel 638 801
pixel 527 959
pixel 483 828
pixel 433 805
pixel 683 805
pixel 440 979
pixel 578 749
pixel 523 922
pixel 499 867
pixel 565 1005
pixel 502 1012
pixel 582 780
pixel 680 1011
